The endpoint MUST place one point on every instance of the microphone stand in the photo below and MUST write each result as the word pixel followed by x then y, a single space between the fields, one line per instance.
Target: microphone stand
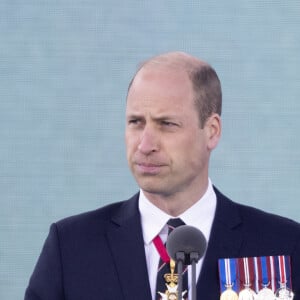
pixel 179 259
pixel 194 258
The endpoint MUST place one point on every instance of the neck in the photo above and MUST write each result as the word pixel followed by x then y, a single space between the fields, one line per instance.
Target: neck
pixel 176 204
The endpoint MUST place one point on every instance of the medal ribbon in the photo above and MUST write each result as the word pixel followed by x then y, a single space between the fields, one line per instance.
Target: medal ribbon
pixel 266 275
pixel 270 260
pixel 283 270
pixel 227 270
pixel 263 273
pixel 256 274
pixel 265 278
pixel 161 249
pixel 246 267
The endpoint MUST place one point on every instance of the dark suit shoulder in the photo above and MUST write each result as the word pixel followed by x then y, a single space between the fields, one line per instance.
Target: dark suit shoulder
pixel 270 233
pixel 267 229
pixel 98 220
pixel 253 217
pixel 78 258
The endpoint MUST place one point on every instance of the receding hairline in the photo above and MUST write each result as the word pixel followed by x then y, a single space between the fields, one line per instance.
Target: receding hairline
pixel 176 60
pixel 204 79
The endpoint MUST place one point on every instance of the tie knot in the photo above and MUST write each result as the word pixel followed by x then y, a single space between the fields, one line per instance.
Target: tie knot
pixel 173 223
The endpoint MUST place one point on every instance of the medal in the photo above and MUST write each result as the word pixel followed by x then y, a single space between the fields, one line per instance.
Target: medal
pixel 247 294
pixel 284 293
pixel 229 294
pixel 256 278
pixel 227 268
pixel 247 275
pixel 171 279
pixel 265 294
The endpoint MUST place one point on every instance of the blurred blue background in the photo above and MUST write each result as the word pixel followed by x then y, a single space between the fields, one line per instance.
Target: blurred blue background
pixel 64 70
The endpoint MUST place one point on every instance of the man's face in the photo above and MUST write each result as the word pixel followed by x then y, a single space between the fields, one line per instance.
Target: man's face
pixel 167 150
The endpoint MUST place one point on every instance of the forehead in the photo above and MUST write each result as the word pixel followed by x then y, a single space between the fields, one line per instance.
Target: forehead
pixel 161 86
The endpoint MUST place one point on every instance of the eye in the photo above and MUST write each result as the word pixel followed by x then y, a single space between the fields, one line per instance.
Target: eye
pixel 135 122
pixel 168 123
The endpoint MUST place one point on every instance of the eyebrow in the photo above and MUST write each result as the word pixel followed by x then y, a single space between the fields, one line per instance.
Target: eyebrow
pixel 134 116
pixel 158 118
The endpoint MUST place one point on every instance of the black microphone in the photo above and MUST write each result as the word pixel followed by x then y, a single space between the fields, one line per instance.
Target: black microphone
pixel 186 245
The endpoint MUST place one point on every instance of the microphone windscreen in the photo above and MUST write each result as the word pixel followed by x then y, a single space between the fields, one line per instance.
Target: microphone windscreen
pixel 186 239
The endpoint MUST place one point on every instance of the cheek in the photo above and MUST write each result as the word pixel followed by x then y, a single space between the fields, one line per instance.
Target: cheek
pixel 131 143
pixel 194 150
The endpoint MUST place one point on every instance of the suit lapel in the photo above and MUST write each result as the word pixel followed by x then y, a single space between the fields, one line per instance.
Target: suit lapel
pixel 125 239
pixel 127 245
pixel 225 241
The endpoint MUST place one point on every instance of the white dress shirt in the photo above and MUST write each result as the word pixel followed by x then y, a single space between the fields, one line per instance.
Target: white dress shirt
pixel 154 220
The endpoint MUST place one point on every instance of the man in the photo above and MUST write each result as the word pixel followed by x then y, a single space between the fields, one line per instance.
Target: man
pixel 172 124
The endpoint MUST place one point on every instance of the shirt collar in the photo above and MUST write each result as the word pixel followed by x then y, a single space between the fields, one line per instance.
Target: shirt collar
pixel 152 218
pixel 200 215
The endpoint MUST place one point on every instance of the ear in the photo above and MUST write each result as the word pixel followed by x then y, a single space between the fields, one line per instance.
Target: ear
pixel 213 127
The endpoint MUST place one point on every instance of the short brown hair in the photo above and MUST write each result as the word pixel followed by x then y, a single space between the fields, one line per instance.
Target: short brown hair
pixel 208 93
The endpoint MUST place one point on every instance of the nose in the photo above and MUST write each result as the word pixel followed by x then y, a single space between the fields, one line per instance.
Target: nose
pixel 149 141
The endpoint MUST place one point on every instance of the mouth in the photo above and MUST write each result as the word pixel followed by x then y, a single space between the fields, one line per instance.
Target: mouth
pixel 149 168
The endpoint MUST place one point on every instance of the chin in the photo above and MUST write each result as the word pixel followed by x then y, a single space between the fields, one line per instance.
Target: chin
pixel 154 184
pixel 155 189
pixel 150 188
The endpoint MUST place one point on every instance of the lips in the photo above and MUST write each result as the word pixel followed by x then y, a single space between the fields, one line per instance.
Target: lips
pixel 149 168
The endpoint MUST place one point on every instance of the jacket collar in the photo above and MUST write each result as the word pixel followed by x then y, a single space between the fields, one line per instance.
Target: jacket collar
pixel 127 246
pixel 125 239
pixel 225 241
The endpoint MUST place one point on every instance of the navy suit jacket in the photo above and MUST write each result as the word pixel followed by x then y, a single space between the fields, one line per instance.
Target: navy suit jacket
pixel 100 254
